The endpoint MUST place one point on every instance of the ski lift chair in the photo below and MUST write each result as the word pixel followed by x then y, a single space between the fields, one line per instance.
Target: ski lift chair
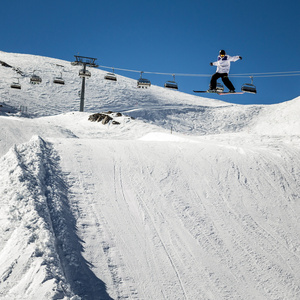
pixel 249 87
pixel 84 73
pixel 111 76
pixel 143 82
pixel 219 88
pixel 16 85
pixel 58 80
pixel 171 84
pixel 35 79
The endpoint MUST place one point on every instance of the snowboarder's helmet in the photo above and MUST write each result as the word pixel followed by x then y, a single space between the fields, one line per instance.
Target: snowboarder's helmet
pixel 222 52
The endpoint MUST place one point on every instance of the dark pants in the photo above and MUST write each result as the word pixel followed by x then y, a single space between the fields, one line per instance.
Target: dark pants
pixel 225 79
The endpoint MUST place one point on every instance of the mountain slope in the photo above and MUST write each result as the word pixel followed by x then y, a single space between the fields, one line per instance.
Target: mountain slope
pixel 187 198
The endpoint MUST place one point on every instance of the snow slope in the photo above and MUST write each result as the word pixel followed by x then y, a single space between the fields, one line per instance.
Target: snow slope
pixel 187 198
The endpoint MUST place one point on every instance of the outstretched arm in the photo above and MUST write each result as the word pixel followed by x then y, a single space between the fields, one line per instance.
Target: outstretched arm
pixel 234 58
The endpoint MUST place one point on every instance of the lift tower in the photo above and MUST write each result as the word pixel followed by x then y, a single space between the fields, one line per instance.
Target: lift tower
pixel 84 73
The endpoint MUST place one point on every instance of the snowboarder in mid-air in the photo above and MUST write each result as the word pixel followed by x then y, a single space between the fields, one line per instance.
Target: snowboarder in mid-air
pixel 223 67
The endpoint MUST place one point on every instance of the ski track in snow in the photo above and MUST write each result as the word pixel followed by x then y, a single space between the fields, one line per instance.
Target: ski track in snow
pixel 193 199
pixel 217 226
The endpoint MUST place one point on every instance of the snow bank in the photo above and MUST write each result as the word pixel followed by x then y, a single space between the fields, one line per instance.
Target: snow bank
pixel 29 261
pixel 279 119
pixel 40 254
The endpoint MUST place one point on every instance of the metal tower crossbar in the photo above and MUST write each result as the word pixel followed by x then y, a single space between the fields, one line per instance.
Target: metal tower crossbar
pixel 83 60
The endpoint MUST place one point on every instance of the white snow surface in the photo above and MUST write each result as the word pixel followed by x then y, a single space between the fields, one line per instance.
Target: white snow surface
pixel 187 198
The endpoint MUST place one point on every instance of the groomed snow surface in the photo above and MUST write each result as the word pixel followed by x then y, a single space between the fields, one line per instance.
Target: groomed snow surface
pixel 186 198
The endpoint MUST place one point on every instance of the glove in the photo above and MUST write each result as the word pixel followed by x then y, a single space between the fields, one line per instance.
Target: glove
pixel 211 64
pixel 240 57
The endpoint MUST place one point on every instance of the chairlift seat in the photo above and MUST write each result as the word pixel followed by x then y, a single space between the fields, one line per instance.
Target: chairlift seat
pixel 143 83
pixel 171 85
pixel 15 85
pixel 58 80
pixel 35 79
pixel 110 76
pixel 219 87
pixel 248 88
pixel 85 73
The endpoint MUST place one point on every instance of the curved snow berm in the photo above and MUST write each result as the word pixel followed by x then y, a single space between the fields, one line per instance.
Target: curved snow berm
pixel 279 119
pixel 40 252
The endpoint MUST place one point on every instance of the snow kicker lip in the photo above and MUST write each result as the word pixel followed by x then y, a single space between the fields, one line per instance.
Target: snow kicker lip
pixel 43 239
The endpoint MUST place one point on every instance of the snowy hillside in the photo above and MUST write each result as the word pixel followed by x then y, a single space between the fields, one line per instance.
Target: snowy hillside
pixel 184 198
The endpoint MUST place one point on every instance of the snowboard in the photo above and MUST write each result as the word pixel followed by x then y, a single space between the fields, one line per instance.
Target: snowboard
pixel 220 93
pixel 227 93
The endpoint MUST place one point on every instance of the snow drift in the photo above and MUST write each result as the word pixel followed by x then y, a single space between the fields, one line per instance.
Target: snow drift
pixel 186 198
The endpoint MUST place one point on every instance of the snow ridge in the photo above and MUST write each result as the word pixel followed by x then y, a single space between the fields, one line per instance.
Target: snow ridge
pixel 38 224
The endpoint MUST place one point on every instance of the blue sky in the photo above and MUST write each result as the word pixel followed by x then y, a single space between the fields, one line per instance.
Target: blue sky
pixel 166 36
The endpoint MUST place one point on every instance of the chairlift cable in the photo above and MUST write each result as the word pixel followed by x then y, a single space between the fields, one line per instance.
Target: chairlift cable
pixel 267 74
pixel 157 73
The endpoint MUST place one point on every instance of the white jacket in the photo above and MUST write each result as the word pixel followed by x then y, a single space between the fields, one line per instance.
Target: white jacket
pixel 223 63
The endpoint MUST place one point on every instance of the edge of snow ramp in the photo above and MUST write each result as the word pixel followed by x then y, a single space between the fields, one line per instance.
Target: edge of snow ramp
pixel 38 236
pixel 201 120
